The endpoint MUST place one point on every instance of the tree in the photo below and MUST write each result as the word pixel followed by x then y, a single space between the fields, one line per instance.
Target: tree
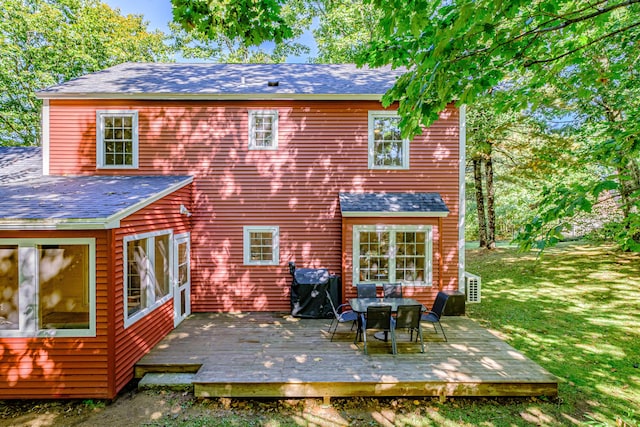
pixel 599 99
pixel 239 31
pixel 253 21
pixel 344 29
pixel 46 42
pixel 457 51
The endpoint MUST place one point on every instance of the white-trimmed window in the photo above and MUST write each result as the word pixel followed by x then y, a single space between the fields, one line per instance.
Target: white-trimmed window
pixel 147 266
pixel 261 245
pixel 117 139
pixel 387 149
pixel 48 287
pixel 263 129
pixel 392 254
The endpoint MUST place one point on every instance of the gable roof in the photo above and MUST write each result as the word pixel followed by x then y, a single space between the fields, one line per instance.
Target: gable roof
pixel 33 201
pixel 229 81
pixel 392 205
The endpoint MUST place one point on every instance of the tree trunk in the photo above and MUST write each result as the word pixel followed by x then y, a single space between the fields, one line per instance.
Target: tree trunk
pixel 629 180
pixel 630 184
pixel 491 210
pixel 482 225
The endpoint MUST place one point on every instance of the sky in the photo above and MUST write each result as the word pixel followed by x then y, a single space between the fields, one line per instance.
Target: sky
pixel 157 13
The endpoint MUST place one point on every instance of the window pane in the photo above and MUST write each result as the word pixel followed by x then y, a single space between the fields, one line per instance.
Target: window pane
pixel 137 275
pixel 374 256
pixel 261 248
pixel 118 140
pixel 161 267
pixel 388 145
pixel 9 288
pixel 263 128
pixel 63 273
pixel 410 256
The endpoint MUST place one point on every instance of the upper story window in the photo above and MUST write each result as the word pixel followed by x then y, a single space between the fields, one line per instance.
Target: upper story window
pixel 387 149
pixel 48 287
pixel 263 129
pixel 117 139
pixel 261 245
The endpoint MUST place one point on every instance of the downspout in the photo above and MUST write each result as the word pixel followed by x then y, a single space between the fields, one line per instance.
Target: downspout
pixel 462 199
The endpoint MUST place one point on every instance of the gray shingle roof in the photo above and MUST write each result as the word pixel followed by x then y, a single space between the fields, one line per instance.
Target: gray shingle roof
pixel 19 163
pixel 392 204
pixel 139 80
pixel 86 201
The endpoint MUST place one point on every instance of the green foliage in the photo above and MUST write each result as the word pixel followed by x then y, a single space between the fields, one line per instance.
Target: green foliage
pixel 191 45
pixel 45 42
pixel 253 21
pixel 343 30
pixel 459 51
pixel 202 31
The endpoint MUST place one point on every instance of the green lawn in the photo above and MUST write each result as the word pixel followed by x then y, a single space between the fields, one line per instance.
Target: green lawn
pixel 575 311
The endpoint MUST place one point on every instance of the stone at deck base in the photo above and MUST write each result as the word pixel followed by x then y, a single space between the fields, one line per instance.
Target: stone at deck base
pixel 172 381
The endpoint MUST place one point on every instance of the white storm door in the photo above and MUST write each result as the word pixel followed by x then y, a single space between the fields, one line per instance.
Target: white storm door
pixel 182 277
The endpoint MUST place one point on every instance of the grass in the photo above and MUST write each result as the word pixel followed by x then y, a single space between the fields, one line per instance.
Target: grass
pixel 575 311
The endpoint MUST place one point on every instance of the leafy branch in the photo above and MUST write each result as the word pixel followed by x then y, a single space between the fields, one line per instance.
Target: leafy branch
pixel 579 48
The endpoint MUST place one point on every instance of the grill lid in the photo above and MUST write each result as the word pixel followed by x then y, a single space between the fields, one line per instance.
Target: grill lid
pixel 311 276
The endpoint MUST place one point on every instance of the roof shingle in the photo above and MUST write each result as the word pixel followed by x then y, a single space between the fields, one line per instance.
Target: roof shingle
pixel 20 163
pixel 390 204
pixel 178 79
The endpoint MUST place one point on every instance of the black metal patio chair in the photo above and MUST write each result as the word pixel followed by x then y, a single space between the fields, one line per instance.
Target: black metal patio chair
pixel 366 290
pixel 392 290
pixel 408 317
pixel 378 318
pixel 340 315
pixel 433 316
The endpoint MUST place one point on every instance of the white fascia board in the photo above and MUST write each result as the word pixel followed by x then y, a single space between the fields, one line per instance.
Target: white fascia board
pixel 349 214
pixel 214 97
pixel 88 223
pixel 53 224
pixel 45 135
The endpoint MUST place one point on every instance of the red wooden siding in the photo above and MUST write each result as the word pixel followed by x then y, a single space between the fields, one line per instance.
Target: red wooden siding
pixel 425 294
pixel 61 366
pixel 135 341
pixel 322 151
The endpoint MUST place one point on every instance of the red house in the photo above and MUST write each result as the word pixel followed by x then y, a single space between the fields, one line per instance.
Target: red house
pixel 166 189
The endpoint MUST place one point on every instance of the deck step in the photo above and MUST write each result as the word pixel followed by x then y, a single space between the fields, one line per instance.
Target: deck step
pixel 172 381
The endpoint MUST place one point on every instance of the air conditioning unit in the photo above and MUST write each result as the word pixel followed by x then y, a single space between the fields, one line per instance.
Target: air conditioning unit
pixel 472 287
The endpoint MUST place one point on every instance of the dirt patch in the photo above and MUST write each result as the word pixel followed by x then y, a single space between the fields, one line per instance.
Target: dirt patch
pixel 174 408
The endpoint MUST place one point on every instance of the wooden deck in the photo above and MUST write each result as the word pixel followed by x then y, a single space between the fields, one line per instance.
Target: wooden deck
pixel 276 355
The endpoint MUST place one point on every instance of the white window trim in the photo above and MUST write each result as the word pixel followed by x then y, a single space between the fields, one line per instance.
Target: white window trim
pixel 28 256
pixel 274 131
pixel 275 240
pixel 152 304
pixel 428 229
pixel 100 115
pixel 371 144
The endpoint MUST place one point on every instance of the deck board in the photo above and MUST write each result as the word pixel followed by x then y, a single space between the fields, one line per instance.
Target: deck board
pixel 276 355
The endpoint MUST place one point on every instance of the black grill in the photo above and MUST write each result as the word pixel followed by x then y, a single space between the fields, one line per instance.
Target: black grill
pixel 309 292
